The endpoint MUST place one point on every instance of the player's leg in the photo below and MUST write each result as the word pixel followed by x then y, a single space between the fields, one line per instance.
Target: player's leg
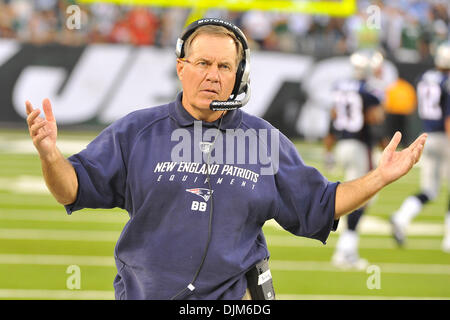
pixel 409 209
pixel 430 178
pixel 346 254
pixel 446 241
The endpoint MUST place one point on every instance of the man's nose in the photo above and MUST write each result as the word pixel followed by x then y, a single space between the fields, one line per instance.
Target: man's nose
pixel 213 73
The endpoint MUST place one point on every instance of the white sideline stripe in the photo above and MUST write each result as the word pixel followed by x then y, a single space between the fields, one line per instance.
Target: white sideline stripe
pixel 56 294
pixel 348 297
pixel 52 234
pixel 400 268
pixel 40 259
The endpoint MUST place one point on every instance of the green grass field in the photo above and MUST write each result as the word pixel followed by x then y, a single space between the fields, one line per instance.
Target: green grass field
pixel 38 241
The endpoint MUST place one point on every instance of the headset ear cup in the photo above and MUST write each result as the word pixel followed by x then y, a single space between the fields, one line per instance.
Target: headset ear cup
pixel 245 78
pixel 238 82
pixel 179 49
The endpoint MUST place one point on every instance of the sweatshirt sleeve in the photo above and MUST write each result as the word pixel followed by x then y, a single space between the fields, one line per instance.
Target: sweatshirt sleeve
pixel 306 199
pixel 101 171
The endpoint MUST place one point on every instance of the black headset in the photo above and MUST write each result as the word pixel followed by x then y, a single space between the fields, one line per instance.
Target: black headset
pixel 242 84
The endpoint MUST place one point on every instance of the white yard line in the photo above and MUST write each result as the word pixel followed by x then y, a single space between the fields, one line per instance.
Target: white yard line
pixel 272 240
pixel 397 268
pixel 364 243
pixel 378 226
pixel 52 234
pixel 61 215
pixel 65 260
pixel 109 295
pixel 24 184
pixel 369 226
pixel 104 261
pixel 25 146
pixel 56 294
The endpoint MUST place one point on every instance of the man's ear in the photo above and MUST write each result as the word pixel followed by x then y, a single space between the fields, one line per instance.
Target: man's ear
pixel 180 68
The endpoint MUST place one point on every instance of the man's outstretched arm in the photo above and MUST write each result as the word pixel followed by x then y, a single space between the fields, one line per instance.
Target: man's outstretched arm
pixel 59 174
pixel 352 195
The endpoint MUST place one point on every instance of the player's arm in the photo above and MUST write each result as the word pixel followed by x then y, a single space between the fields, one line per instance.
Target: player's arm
pixel 374 115
pixel 59 174
pixel 354 194
pixel 329 141
pixel 373 108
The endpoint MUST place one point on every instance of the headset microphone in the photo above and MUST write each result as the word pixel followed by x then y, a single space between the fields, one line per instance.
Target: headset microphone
pixel 230 104
pixel 225 105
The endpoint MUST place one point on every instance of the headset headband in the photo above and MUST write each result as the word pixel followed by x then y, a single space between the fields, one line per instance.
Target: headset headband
pixel 218 22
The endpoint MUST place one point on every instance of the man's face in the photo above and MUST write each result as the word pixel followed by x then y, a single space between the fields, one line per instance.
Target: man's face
pixel 209 72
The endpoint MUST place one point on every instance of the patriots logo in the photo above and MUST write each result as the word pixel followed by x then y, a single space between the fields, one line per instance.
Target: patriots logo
pixel 206 147
pixel 201 192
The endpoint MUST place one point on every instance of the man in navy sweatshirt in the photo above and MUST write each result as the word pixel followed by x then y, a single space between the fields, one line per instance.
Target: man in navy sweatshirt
pixel 196 192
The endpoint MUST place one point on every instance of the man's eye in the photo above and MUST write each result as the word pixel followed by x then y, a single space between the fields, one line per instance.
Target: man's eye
pixel 225 67
pixel 202 63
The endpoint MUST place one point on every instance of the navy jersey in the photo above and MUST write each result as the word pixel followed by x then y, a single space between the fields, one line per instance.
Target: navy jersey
pixel 433 93
pixel 130 165
pixel 351 99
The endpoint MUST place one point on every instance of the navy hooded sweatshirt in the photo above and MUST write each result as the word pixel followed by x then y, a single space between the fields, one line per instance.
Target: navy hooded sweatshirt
pixel 130 165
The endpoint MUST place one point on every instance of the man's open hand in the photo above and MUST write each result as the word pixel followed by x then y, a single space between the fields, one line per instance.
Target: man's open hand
pixel 42 131
pixel 395 164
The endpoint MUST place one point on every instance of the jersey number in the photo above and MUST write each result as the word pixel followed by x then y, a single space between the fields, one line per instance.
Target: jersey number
pixel 429 95
pixel 349 111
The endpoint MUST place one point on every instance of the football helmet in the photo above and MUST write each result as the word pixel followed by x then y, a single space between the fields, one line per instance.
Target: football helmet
pixel 365 62
pixel 442 56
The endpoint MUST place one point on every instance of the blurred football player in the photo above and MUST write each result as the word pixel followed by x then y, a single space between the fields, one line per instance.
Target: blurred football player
pixel 433 92
pixel 355 108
